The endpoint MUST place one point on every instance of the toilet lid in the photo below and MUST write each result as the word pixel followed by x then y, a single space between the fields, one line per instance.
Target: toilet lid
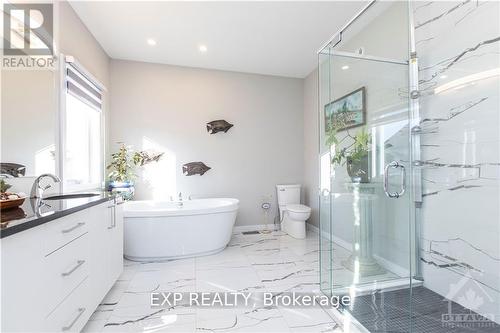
pixel 298 208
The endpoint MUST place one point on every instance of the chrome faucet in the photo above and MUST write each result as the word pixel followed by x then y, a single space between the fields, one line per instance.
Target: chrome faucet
pixel 37 190
pixel 180 203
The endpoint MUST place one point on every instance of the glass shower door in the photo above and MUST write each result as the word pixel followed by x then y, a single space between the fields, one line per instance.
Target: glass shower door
pixel 365 200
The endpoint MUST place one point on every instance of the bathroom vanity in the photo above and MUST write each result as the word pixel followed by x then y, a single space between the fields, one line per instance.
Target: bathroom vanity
pixel 59 262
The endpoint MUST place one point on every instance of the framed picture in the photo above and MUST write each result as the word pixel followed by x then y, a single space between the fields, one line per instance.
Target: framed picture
pixel 346 112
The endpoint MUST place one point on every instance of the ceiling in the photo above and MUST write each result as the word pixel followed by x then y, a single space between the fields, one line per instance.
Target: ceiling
pixel 273 38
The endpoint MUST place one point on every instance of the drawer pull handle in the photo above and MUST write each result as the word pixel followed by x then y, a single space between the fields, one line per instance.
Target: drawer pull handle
pixel 80 312
pixel 78 264
pixel 78 225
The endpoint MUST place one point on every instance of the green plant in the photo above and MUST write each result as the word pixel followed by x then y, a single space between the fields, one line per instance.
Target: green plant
pixel 4 186
pixel 125 160
pixel 354 152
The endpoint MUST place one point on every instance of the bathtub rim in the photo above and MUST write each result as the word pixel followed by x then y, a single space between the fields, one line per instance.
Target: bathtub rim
pixel 181 211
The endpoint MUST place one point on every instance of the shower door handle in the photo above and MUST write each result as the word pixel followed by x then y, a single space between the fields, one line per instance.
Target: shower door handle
pixel 394 165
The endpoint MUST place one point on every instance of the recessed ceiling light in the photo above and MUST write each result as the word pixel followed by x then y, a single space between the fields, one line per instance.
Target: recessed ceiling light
pixel 443 76
pixel 345 67
pixel 151 42
pixel 202 48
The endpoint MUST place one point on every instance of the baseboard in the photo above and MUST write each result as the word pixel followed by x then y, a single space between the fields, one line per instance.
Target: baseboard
pixel 312 228
pixel 342 243
pixel 259 227
pixel 255 227
pixel 389 265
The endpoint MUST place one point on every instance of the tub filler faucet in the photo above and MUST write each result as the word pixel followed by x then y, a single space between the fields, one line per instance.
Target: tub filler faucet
pixel 180 203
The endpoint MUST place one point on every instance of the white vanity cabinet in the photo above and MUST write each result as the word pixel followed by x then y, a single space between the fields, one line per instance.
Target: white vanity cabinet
pixel 106 249
pixel 56 274
pixel 115 248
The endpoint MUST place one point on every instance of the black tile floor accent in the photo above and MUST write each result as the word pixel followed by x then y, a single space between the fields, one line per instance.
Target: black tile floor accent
pixel 390 312
pixel 251 232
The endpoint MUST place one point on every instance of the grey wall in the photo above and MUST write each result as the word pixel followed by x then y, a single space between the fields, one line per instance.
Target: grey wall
pixel 165 108
pixel 28 119
pixel 311 160
pixel 76 40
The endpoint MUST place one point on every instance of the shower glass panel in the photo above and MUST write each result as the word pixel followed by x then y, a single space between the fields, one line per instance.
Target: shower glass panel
pixel 369 204
pixel 410 230
pixel 365 202
pixel 366 195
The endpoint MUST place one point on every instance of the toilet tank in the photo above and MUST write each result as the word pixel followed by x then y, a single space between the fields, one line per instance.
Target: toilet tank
pixel 288 194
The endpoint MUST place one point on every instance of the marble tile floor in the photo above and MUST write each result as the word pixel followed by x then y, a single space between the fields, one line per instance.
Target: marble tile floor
pixel 272 262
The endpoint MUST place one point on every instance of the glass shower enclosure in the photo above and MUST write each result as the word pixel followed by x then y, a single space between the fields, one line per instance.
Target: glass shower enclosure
pixel 367 184
pixel 409 166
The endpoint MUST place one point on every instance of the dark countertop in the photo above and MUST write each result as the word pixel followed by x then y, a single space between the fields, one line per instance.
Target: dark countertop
pixel 34 212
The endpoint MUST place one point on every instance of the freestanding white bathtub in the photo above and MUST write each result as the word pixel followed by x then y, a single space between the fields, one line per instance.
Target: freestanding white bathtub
pixel 161 230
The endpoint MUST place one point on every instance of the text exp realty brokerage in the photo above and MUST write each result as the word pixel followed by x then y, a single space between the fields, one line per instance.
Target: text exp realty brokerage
pixel 234 299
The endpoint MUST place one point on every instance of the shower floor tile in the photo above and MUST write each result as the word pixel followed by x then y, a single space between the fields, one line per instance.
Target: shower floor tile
pixel 390 312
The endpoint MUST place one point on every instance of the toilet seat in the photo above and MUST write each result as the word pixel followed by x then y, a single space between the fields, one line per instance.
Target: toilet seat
pixel 298 208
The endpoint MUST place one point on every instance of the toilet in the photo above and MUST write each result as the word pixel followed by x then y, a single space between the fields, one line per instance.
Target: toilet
pixel 293 215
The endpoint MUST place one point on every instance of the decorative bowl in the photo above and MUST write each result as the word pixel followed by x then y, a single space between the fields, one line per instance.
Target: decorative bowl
pixel 9 215
pixel 10 204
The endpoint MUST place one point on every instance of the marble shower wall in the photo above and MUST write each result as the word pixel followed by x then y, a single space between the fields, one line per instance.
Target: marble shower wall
pixel 458 46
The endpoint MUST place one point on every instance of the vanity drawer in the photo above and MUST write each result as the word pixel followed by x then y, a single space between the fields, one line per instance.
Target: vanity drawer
pixel 65 230
pixel 65 269
pixel 72 314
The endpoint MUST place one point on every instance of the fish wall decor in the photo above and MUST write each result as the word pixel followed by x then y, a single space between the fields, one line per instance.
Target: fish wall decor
pixel 13 169
pixel 195 168
pixel 216 126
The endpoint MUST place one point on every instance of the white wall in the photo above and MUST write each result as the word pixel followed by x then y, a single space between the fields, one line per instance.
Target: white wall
pixel 167 107
pixel 460 236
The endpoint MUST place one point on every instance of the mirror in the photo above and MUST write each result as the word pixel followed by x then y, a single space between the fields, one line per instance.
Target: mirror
pixel 29 120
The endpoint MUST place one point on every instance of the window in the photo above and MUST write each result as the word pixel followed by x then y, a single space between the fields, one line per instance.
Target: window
pixel 82 143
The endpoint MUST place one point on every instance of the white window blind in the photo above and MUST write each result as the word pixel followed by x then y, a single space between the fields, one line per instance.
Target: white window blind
pixel 82 88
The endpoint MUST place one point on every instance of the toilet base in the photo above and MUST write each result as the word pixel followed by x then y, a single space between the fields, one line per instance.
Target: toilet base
pixel 296 229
